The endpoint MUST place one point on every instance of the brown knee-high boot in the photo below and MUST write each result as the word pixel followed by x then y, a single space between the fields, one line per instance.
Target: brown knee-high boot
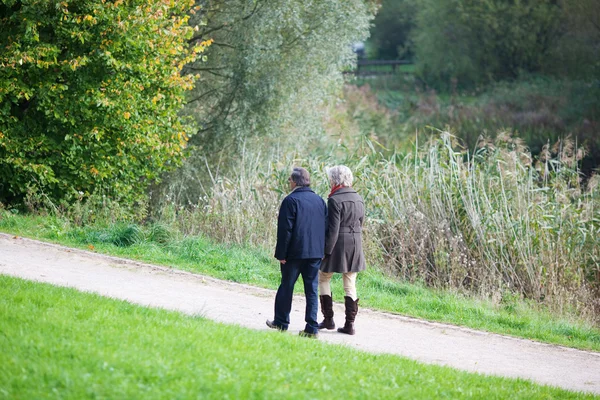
pixel 327 310
pixel 351 310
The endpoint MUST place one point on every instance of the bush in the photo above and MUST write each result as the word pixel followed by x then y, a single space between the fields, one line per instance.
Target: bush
pixel 89 96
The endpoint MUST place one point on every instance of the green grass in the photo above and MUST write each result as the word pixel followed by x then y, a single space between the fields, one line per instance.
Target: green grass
pixel 253 266
pixel 60 343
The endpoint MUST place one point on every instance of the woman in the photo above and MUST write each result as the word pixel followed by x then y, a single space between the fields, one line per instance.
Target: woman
pixel 343 246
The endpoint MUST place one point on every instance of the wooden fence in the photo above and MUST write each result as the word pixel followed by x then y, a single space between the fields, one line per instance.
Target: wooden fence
pixel 379 67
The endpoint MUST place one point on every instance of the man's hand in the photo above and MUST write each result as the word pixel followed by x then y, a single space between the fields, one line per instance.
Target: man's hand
pixel 282 262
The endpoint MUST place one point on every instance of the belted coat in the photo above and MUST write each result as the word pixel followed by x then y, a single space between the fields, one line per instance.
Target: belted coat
pixel 343 238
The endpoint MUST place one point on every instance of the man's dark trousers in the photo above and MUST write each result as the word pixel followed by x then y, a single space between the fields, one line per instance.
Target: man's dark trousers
pixel 309 269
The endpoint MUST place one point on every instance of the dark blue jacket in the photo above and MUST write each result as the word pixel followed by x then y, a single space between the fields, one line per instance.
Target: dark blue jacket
pixel 301 226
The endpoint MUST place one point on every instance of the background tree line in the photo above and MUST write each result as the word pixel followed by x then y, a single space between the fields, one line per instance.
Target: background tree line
pixel 100 100
pixel 469 43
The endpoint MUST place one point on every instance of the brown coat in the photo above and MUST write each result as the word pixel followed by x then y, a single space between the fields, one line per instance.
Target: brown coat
pixel 343 241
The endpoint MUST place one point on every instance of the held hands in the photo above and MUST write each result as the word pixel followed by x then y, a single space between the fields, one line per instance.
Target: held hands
pixel 282 262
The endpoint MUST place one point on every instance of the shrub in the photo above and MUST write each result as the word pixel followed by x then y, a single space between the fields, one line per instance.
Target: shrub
pixel 89 96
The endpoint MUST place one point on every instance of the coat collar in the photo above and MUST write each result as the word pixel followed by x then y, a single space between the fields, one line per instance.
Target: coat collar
pixel 343 190
pixel 301 189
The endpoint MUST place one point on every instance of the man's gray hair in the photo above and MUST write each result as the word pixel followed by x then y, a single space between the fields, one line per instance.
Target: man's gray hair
pixel 300 176
pixel 340 175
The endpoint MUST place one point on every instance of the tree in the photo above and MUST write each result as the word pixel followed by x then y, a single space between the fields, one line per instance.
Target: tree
pixel 443 45
pixel 272 64
pixel 475 41
pixel 577 50
pixel 391 34
pixel 272 67
pixel 89 96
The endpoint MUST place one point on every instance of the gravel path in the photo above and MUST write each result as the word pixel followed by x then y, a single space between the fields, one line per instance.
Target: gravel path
pixel 248 306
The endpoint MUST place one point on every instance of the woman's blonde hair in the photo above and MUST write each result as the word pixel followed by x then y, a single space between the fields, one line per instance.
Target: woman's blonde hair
pixel 340 175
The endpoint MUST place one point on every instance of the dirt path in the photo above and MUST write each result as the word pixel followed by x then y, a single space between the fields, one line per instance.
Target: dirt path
pixel 248 306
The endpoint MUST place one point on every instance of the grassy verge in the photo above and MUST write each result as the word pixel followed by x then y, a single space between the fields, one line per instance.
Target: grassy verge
pixel 61 343
pixel 156 244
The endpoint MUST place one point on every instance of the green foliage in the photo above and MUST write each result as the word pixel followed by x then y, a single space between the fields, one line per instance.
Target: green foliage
pixel 470 42
pixel 89 96
pixel 443 45
pixel 577 50
pixel 269 72
pixel 120 235
pixel 392 29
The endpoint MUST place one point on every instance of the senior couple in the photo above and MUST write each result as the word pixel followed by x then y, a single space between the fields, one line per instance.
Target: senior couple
pixel 317 240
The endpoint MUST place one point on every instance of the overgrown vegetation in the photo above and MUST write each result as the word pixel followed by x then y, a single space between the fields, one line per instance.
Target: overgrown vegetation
pixel 539 110
pixel 60 343
pixel 486 222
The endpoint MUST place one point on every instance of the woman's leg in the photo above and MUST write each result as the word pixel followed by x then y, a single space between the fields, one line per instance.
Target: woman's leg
pixel 351 303
pixel 326 300
pixel 350 284
pixel 324 283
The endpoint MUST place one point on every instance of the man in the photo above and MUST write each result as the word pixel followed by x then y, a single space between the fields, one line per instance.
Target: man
pixel 300 249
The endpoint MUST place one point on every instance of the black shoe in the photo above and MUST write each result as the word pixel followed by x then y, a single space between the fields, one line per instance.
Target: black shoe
pixel 272 325
pixel 308 335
